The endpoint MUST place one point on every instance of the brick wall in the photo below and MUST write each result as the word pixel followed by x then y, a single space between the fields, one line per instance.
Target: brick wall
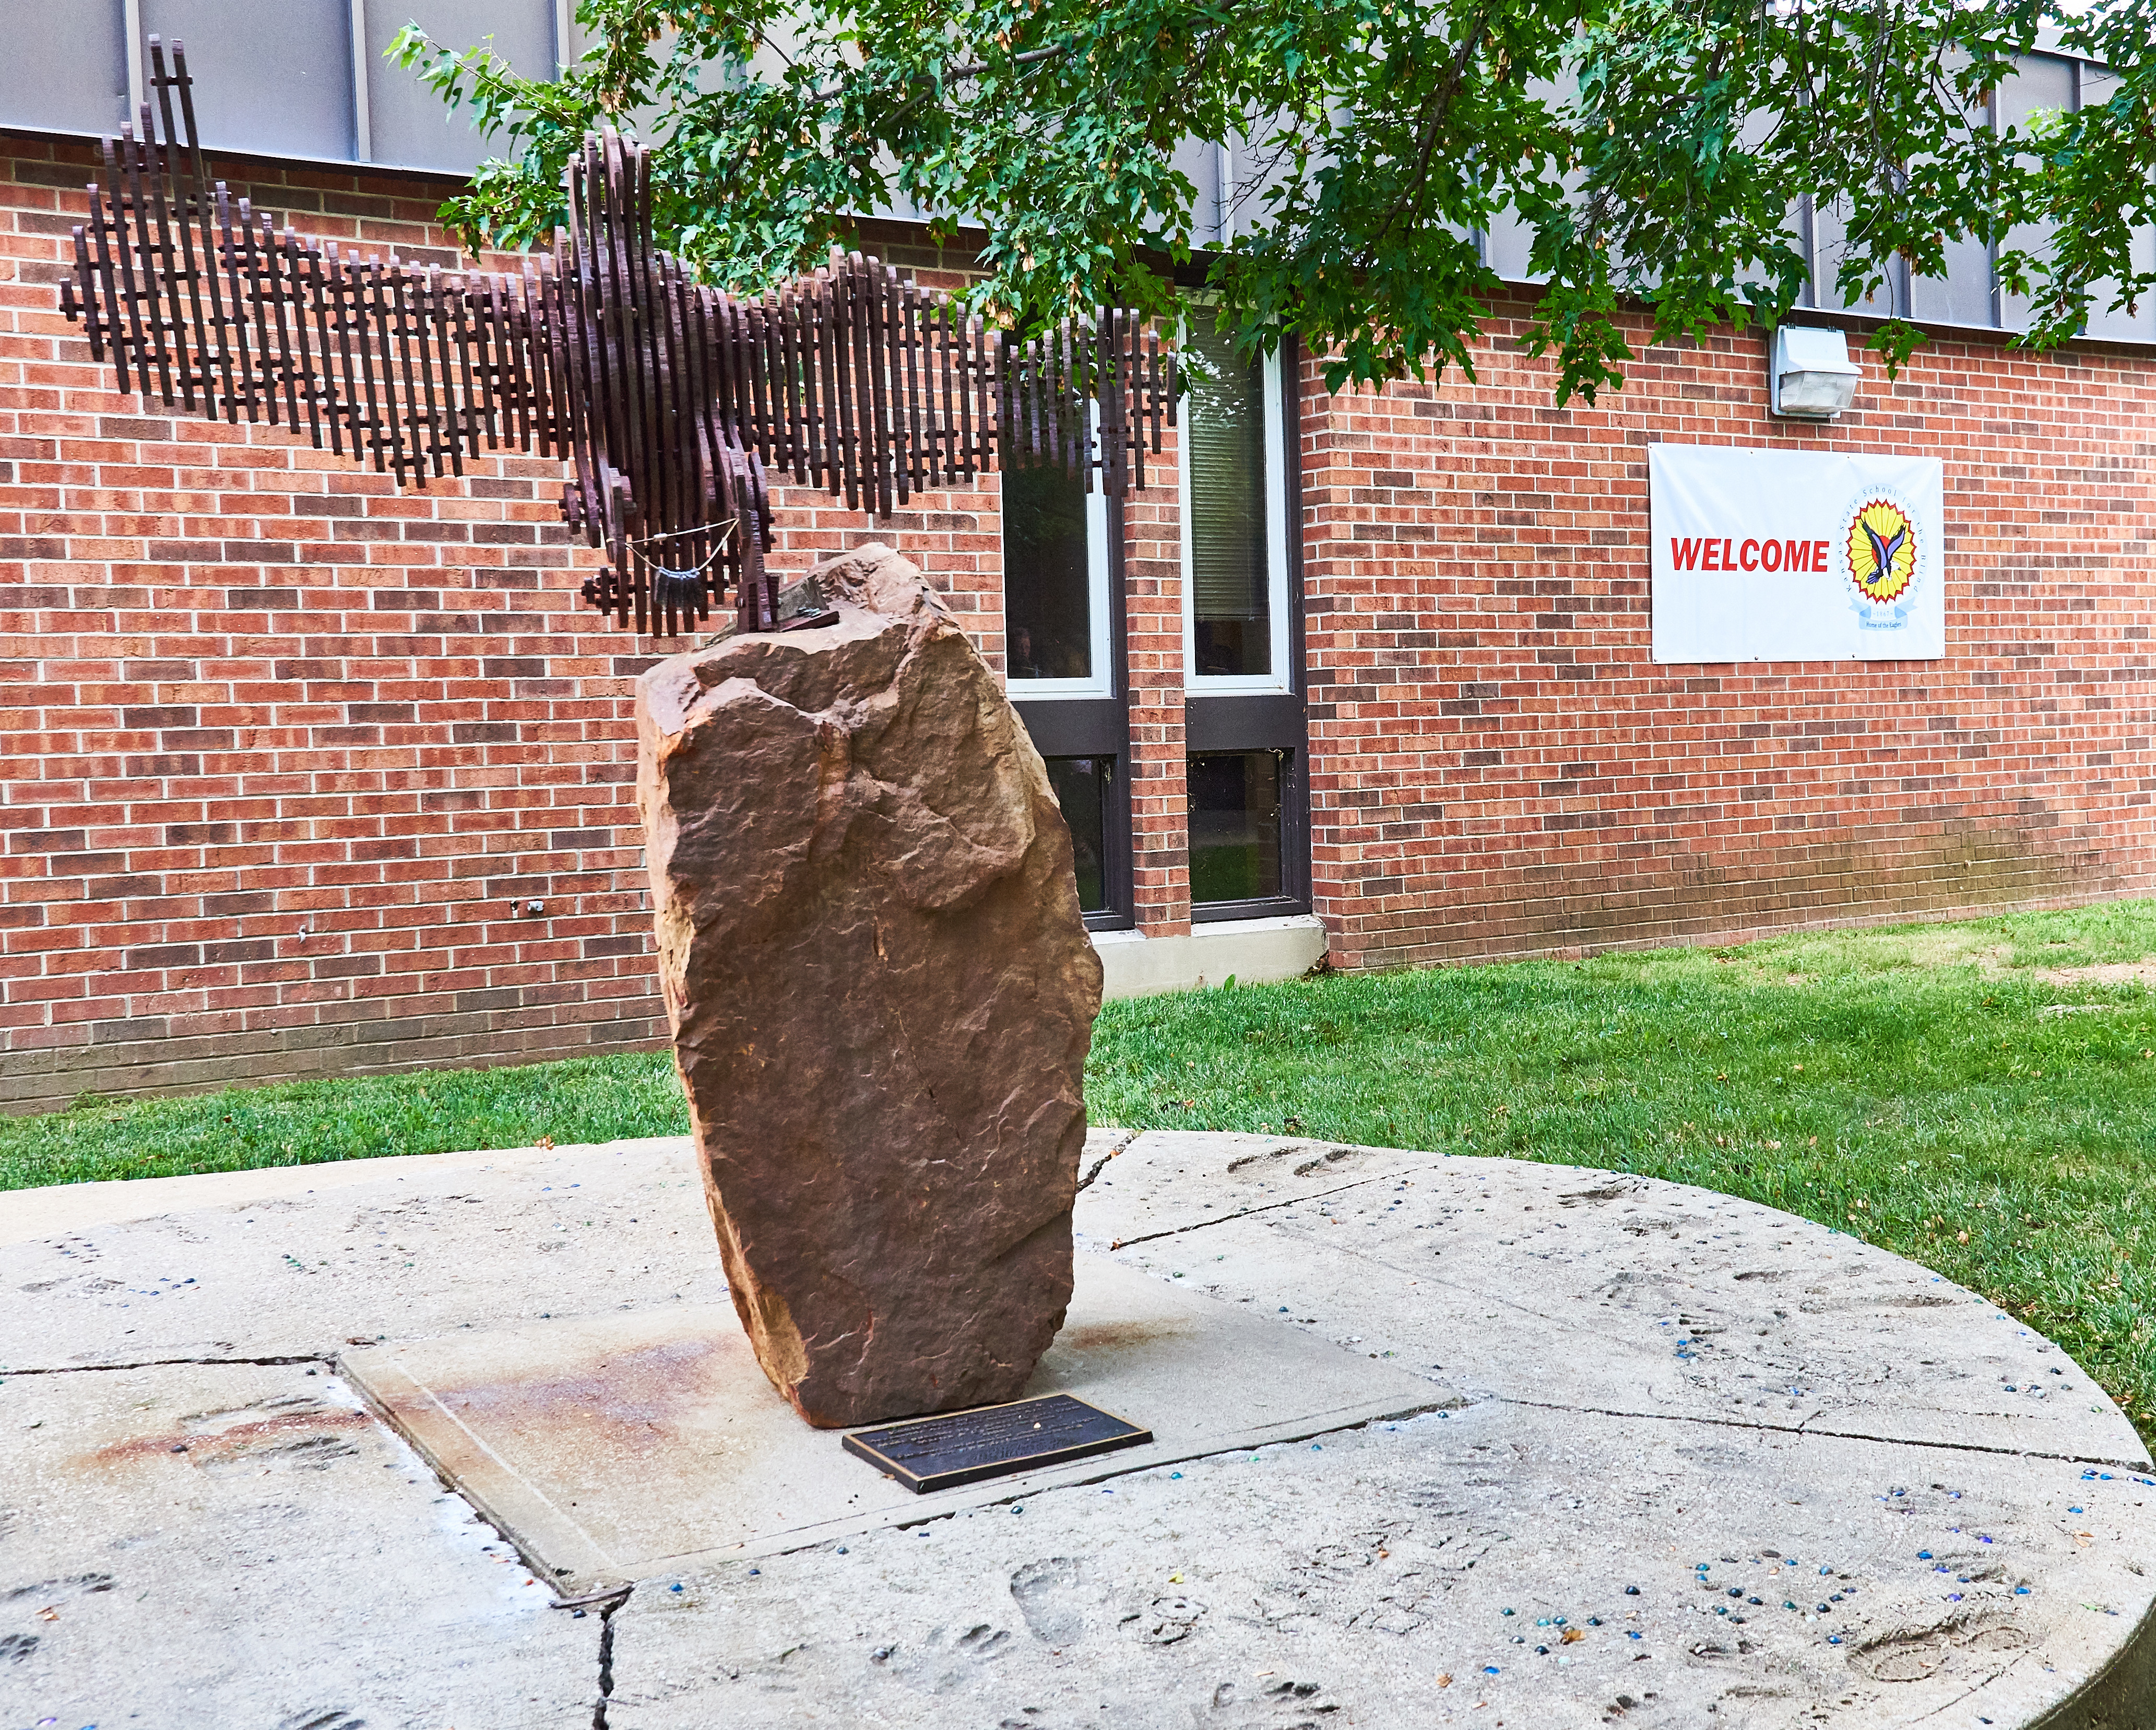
pixel 1153 600
pixel 287 752
pixel 1501 769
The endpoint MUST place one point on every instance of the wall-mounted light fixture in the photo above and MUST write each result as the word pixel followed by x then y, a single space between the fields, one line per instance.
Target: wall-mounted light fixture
pixel 1810 375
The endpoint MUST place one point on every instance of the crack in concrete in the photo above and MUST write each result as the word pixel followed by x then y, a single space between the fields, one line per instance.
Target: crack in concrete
pixel 606 1658
pixel 1807 1429
pixel 1129 1135
pixel 1147 1237
pixel 606 1595
pixel 84 1369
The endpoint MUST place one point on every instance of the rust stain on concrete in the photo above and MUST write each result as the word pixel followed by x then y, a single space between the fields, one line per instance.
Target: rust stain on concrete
pixel 1120 1336
pixel 284 1433
pixel 637 1398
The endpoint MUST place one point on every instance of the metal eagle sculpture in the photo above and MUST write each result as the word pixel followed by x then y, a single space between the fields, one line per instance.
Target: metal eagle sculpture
pixel 673 402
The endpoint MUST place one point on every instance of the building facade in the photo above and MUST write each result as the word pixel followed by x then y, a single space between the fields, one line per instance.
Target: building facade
pixel 305 775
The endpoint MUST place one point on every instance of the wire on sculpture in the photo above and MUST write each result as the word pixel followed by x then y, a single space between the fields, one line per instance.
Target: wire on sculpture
pixel 671 401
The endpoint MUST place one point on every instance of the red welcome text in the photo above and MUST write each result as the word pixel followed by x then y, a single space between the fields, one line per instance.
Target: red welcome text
pixel 1729 554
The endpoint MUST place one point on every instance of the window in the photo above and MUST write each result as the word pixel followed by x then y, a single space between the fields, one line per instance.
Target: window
pixel 1063 658
pixel 1243 724
pixel 1235 535
pixel 1236 839
pixel 1056 586
pixel 1082 785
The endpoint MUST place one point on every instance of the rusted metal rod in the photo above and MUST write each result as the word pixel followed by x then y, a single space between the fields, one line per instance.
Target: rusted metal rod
pixel 670 402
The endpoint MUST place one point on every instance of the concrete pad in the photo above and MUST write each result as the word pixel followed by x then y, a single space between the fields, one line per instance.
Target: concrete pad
pixel 1638 1296
pixel 245 1545
pixel 62 1208
pixel 615 1447
pixel 368 1247
pixel 298 1261
pixel 1368 1581
pixel 1613 1358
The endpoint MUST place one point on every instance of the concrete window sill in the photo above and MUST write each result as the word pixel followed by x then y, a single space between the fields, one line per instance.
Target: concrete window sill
pixel 1252 952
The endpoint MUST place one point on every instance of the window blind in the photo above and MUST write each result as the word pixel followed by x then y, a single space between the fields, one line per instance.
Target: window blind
pixel 1226 507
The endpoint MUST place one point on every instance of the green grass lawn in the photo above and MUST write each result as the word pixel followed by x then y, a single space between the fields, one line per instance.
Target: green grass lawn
pixel 588 1099
pixel 1969 1095
pixel 1953 1093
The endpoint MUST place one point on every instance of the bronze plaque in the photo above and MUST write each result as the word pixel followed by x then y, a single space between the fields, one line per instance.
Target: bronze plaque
pixel 993 1442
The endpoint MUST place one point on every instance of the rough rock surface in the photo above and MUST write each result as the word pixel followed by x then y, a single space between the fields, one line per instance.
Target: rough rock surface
pixel 882 992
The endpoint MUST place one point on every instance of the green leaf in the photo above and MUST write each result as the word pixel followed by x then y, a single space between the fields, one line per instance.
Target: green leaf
pixel 1652 157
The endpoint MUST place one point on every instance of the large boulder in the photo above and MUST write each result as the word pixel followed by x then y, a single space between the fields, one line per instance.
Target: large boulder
pixel 881 990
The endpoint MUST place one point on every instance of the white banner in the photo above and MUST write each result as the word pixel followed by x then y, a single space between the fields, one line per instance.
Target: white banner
pixel 1798 555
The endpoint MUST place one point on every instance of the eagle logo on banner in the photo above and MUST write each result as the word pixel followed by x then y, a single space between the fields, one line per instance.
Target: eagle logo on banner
pixel 1882 551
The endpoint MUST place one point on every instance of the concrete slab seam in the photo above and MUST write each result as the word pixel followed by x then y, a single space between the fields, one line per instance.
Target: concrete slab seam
pixel 1855 1435
pixel 1147 1237
pixel 607 1602
pixel 1031 1489
pixel 451 1480
pixel 606 1658
pixel 80 1369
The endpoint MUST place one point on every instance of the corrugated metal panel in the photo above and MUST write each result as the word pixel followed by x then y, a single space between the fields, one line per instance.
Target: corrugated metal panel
pixel 410 125
pixel 67 72
pixel 271 76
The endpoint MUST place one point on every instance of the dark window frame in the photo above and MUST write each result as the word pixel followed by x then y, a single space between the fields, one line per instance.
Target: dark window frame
pixel 1277 721
pixel 1294 845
